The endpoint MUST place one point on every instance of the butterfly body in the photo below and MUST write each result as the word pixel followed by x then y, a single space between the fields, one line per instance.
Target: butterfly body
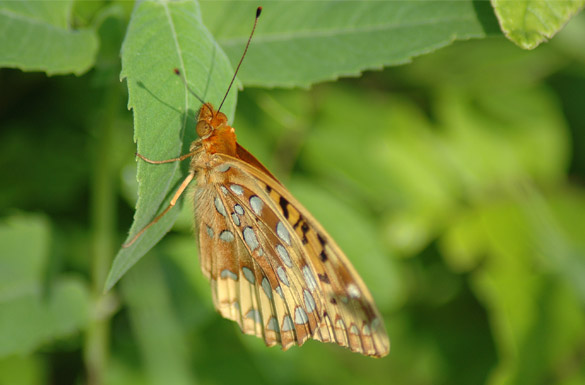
pixel 272 268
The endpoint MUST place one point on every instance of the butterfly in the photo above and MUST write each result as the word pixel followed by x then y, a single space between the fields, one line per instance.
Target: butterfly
pixel 272 267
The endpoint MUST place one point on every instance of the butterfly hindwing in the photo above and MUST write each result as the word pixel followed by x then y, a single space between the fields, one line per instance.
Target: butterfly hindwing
pixel 262 233
pixel 243 274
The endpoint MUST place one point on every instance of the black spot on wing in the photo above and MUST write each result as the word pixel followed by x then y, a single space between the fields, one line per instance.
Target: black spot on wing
pixel 304 229
pixel 298 222
pixel 284 206
pixel 323 242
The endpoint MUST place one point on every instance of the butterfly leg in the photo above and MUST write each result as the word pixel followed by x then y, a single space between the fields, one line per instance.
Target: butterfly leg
pixel 180 158
pixel 173 202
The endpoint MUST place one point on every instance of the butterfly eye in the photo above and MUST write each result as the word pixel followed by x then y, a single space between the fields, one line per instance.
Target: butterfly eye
pixel 203 128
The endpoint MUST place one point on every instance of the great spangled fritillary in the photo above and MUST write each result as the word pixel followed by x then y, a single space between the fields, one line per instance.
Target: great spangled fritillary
pixel 272 267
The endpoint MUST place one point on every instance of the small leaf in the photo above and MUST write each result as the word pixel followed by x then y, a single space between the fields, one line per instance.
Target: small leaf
pixel 37 36
pixel 530 22
pixel 24 245
pixel 163 36
pixel 28 316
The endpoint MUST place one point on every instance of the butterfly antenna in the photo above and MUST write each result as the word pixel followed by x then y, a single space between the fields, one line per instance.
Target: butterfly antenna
pixel 179 74
pixel 258 12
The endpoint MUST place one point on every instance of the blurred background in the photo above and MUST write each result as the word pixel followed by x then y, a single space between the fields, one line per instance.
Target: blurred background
pixel 455 185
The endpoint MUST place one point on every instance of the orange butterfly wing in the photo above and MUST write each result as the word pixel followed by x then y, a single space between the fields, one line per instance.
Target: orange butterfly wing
pixel 273 268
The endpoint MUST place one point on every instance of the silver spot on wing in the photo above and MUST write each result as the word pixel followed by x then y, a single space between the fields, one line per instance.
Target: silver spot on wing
pixel 219 206
pixel 300 316
pixel 249 275
pixel 282 275
pixel 282 233
pixel 226 236
pixel 250 238
pixel 284 255
pixel 256 204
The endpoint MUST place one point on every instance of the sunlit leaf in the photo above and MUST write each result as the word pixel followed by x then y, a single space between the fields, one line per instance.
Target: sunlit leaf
pixel 530 22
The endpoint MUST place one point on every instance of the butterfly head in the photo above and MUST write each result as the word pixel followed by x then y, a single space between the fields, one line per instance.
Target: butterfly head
pixel 214 131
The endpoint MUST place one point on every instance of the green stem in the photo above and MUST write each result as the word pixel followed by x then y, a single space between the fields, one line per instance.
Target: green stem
pixel 103 217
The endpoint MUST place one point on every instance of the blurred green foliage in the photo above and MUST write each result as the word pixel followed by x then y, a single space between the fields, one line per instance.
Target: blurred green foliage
pixel 454 183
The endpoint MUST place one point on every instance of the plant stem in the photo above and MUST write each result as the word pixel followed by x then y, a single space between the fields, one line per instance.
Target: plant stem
pixel 103 217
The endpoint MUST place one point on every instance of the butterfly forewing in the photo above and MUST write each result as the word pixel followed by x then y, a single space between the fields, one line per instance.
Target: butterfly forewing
pixel 273 268
pixel 350 317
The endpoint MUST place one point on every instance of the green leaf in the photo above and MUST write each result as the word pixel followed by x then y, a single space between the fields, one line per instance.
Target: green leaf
pixel 530 22
pixel 163 36
pixel 37 36
pixel 28 316
pixel 301 43
pixel 30 320
pixel 24 244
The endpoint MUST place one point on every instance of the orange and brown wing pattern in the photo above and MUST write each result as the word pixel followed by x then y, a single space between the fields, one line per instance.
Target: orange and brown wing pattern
pixel 275 270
